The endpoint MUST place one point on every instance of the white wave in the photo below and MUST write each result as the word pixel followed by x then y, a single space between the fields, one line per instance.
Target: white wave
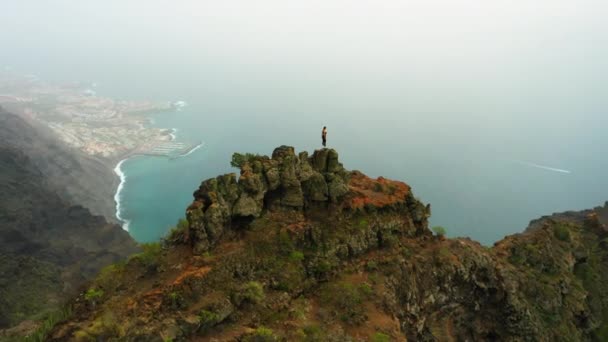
pixel 543 167
pixel 178 105
pixel 123 179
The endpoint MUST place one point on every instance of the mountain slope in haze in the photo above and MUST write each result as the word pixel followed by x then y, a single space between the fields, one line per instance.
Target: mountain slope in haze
pixel 77 178
pixel 300 249
pixel 48 246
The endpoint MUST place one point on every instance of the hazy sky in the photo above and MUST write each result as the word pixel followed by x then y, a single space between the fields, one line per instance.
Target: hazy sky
pixel 407 88
pixel 493 62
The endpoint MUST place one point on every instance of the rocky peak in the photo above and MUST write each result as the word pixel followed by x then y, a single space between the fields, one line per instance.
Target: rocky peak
pixel 290 181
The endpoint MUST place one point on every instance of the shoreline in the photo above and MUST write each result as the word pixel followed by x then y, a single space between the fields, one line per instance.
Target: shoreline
pixel 123 178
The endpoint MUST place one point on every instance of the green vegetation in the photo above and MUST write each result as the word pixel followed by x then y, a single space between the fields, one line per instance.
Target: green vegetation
pixel 175 299
pixel 207 319
pixel 439 230
pixel 261 334
pixel 93 294
pixel 363 224
pixel 345 300
pixel 150 255
pixel 378 187
pixel 252 292
pixel 101 329
pixel 380 337
pixel 313 333
pixel 48 324
pixel 179 232
pixel 239 159
pixel 371 266
pixel 26 283
pixel 296 256
pixel 561 232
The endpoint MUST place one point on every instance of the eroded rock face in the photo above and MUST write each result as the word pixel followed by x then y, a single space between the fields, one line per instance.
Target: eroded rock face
pixel 289 181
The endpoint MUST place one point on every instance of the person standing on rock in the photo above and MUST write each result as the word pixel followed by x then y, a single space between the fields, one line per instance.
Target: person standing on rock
pixel 324 135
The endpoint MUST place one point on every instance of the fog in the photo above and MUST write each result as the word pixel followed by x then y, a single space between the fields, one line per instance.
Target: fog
pixel 428 91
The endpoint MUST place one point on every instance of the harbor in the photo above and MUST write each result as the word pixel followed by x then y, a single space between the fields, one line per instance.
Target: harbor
pixel 169 149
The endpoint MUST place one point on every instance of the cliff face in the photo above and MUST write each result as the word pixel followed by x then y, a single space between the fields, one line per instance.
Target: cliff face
pixel 48 247
pixel 300 249
pixel 75 177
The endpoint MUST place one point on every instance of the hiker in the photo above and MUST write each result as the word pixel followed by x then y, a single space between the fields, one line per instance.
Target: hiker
pixel 324 135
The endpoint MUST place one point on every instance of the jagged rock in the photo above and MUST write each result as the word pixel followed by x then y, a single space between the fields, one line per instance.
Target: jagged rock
pixel 247 206
pixel 315 188
pixel 333 165
pixel 336 187
pixel 363 266
pixel 285 181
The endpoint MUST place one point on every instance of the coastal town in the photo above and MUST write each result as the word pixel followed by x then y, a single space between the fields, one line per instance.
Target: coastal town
pixel 96 125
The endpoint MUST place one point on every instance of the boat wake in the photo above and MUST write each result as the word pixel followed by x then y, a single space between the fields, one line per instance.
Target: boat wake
pixel 543 167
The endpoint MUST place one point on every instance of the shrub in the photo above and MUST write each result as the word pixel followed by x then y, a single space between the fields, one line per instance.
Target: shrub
pixel 252 292
pixel 48 324
pixel 371 266
pixel 179 232
pixel 93 294
pixel 380 337
pixel 561 232
pixel 208 319
pixel 363 224
pixel 296 256
pixel 239 159
pixel 322 268
pixel 439 230
pixel 378 187
pixel 366 289
pixel 175 299
pixel 150 255
pixel 261 334
pixel 345 300
pixel 284 242
pixel 313 333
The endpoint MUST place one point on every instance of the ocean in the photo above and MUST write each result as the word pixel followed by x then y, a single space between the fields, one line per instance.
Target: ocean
pixel 477 187
pixel 494 112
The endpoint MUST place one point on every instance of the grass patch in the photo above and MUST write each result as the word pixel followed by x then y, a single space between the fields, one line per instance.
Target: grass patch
pixel 179 232
pixel 380 337
pixel 561 232
pixel 239 159
pixel 261 334
pixel 150 255
pixel 363 224
pixel 93 294
pixel 439 230
pixel 252 292
pixel 48 324
pixel 296 256
pixel 345 301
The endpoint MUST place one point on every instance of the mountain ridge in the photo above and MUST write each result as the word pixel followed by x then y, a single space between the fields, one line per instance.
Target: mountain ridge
pixel 49 246
pixel 299 248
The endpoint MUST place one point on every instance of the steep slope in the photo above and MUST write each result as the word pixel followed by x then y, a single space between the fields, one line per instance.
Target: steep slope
pixel 300 249
pixel 75 177
pixel 48 247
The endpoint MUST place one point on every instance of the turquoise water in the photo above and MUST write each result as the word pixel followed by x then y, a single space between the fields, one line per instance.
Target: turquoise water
pixel 478 186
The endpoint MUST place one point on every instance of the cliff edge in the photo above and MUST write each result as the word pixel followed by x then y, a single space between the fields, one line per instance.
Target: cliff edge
pixel 297 248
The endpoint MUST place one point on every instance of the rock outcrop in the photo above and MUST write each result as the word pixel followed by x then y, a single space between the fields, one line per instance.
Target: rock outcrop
pixel 299 249
pixel 291 182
